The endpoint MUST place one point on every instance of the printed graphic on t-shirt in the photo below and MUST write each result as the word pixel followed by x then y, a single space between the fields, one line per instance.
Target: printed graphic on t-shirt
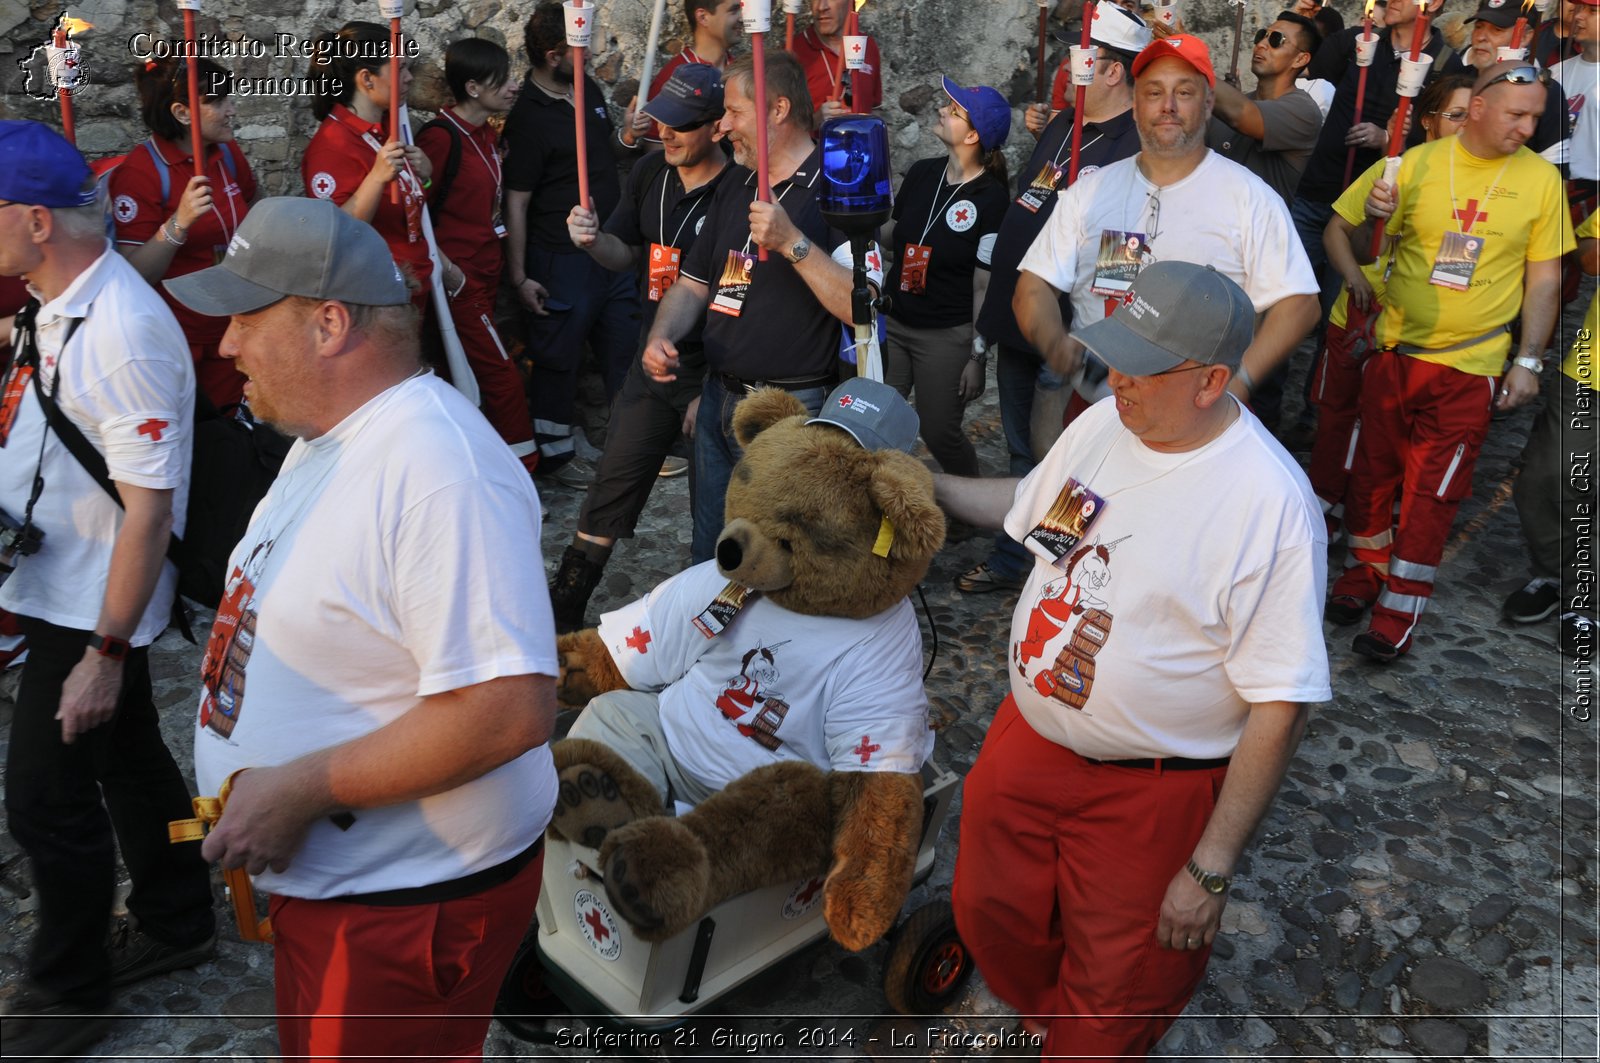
pixel 1068 626
pixel 751 701
pixel 233 636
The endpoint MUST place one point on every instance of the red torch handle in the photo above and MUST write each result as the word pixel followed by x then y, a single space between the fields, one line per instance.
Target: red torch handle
pixel 1361 95
pixel 1077 99
pixel 788 32
pixel 1044 27
pixel 394 96
pixel 69 125
pixel 1397 134
pixel 580 123
pixel 758 57
pixel 197 145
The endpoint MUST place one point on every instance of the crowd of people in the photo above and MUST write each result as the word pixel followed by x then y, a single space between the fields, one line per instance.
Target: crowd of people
pixel 1143 286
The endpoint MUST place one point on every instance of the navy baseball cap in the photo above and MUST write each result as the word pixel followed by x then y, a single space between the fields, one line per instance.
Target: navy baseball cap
pixel 40 168
pixel 691 96
pixel 988 111
pixel 1504 14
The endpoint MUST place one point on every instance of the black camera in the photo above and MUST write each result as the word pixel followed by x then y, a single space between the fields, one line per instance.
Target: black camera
pixel 17 539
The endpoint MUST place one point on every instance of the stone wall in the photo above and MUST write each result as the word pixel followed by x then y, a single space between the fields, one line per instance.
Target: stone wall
pixel 976 41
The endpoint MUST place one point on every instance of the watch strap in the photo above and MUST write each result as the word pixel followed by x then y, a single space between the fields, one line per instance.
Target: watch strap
pixel 110 646
pixel 1207 879
pixel 1528 362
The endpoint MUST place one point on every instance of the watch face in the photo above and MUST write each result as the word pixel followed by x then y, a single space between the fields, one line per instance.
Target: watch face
pixel 1215 884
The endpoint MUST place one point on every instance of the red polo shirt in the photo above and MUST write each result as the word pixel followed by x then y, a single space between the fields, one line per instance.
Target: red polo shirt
pixel 822 64
pixel 339 158
pixel 465 227
pixel 137 206
pixel 686 55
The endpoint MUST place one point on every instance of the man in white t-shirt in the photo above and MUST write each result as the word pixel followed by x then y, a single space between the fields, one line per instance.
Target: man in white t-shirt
pixel 1187 204
pixel 86 769
pixel 1579 78
pixel 1160 671
pixel 378 688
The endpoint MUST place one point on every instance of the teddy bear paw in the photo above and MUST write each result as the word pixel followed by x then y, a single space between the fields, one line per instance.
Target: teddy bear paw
pixel 657 876
pixel 589 805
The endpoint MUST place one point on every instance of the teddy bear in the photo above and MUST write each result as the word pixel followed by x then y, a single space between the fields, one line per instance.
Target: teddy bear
pixel 773 697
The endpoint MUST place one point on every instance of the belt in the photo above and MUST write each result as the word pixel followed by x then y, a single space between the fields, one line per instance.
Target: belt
pixel 736 384
pixel 453 889
pixel 1160 764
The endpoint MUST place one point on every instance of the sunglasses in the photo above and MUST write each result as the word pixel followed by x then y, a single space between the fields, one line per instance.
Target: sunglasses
pixel 1517 75
pixel 692 126
pixel 1275 39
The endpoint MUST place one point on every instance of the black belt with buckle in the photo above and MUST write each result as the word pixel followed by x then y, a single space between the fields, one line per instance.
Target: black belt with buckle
pixel 734 384
pixel 1164 763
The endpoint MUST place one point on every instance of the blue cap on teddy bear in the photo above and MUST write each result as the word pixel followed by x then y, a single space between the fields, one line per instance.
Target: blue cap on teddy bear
pixel 872 412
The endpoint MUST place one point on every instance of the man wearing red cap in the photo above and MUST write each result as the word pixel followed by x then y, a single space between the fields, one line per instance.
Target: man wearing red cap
pixel 1175 200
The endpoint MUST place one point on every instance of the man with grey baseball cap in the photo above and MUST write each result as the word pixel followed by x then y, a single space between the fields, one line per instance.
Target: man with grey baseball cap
pixel 1162 654
pixel 383 602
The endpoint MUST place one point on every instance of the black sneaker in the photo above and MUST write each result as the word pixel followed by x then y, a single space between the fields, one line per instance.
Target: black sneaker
pixel 1578 632
pixel 136 955
pixel 1533 602
pixel 1374 646
pixel 34 1026
pixel 571 588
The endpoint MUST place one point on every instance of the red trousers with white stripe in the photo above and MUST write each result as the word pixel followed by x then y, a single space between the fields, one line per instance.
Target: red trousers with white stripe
pixel 501 394
pixel 1336 393
pixel 1422 426
pixel 1060 875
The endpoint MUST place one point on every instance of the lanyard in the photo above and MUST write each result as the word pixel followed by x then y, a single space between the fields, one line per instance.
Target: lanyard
pixel 1455 212
pixel 779 199
pixel 661 211
pixel 495 168
pixel 934 208
pixel 1066 145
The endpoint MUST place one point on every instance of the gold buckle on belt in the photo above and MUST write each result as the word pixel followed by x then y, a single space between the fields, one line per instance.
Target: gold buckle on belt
pixel 241 891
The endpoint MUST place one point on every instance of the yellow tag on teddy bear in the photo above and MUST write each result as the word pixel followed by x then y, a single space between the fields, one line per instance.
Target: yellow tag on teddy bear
pixel 885 539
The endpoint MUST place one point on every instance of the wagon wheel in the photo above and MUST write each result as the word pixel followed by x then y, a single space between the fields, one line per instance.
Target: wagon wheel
pixel 927 963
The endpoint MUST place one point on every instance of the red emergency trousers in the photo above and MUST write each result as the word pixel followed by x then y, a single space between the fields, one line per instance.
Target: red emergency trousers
pixel 466 234
pixel 1060 875
pixel 1422 425
pixel 1336 393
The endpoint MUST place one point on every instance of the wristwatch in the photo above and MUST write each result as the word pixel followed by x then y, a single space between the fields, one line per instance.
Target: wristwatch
pixel 800 249
pixel 1210 881
pixel 1530 363
pixel 110 646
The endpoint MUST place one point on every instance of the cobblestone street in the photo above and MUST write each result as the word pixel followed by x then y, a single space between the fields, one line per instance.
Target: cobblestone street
pixel 1425 886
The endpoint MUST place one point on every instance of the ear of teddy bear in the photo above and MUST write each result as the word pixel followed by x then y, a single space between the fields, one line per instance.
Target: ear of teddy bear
pixel 902 487
pixel 587 669
pixel 877 829
pixel 599 792
pixel 768 826
pixel 762 410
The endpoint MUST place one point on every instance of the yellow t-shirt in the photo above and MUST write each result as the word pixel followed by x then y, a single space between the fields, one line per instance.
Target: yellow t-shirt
pixel 1513 210
pixel 1352 207
pixel 1579 363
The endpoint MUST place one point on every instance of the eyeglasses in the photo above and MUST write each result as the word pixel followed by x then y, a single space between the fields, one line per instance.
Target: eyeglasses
pixel 1449 116
pixel 1274 40
pixel 1517 75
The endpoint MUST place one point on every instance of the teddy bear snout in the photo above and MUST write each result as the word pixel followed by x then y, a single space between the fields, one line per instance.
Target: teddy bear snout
pixel 747 556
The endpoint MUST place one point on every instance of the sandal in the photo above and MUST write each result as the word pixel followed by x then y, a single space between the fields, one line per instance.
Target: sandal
pixel 983 579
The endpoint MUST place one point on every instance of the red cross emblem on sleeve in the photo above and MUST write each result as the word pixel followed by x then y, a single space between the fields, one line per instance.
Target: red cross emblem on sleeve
pixel 865 751
pixel 1470 215
pixel 153 429
pixel 639 640
pixel 322 185
pixel 597 925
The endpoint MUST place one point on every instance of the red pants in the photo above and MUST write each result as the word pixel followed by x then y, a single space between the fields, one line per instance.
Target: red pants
pixel 1059 879
pixel 501 394
pixel 1422 426
pixel 1336 393
pixel 411 982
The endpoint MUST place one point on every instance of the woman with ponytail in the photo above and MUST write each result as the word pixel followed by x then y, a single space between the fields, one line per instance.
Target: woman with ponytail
pixel 351 161
pixel 945 220
pixel 171 220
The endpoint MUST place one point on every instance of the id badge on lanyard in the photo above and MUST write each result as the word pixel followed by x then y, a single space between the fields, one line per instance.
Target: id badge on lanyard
pixel 1042 187
pixel 1118 263
pixel 1065 523
pixel 663 270
pixel 723 608
pixel 16 388
pixel 914 268
pixel 733 287
pixel 1456 261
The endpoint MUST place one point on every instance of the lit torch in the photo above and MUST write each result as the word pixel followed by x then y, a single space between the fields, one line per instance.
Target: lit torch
pixel 1366 48
pixel 64 59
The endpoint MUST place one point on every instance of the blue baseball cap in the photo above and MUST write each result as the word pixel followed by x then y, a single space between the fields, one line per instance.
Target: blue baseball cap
pixel 691 96
pixel 987 109
pixel 40 168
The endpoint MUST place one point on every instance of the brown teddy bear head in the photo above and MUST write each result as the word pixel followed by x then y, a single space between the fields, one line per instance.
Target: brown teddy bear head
pixel 818 523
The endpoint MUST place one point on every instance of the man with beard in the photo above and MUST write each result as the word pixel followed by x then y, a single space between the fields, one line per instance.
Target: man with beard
pixel 1184 203
pixel 662 211
pixel 570 299
pixel 768 323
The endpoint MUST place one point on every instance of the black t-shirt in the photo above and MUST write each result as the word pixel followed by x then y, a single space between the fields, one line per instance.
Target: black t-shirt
pixel 543 160
pixel 1335 61
pixel 782 332
pixel 657 209
pixel 952 220
pixel 1103 144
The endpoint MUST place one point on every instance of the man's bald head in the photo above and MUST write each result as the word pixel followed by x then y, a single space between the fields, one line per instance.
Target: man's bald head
pixel 1509 73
